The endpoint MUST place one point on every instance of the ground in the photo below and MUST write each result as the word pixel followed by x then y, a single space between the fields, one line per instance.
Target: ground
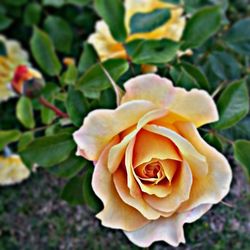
pixel 32 217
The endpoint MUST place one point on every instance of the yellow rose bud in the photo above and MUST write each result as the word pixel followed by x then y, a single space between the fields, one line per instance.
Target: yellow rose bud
pixel 12 170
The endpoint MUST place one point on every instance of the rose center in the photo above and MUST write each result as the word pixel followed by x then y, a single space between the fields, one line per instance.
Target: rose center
pixel 152 170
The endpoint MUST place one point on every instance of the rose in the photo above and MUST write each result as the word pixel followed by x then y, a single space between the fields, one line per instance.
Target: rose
pixel 153 171
pixel 12 170
pixel 27 81
pixel 12 56
pixel 107 47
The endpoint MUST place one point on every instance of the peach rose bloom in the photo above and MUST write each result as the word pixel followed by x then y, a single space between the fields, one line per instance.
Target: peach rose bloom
pixel 107 47
pixel 12 170
pixel 8 63
pixel 153 171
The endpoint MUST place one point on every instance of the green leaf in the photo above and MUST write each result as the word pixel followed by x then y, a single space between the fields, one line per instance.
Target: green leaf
pixel 24 112
pixel 241 154
pixel 202 25
pixel 182 78
pixel 54 3
pixel 60 3
pixel 145 22
pixel 95 80
pixel 25 140
pixel 77 106
pixel 72 191
pixel 152 51
pixel 3 49
pixel 8 136
pixel 44 52
pixel 49 150
pixel 239 131
pixel 224 66
pixel 89 196
pixel 214 141
pixel 238 37
pixel 5 22
pixel 172 1
pixel 78 3
pixel 60 32
pixel 87 58
pixel 70 75
pixel 197 74
pixel 16 2
pixel 69 168
pixel 233 105
pixel 113 13
pixel 32 14
pixel 188 76
pixel 48 115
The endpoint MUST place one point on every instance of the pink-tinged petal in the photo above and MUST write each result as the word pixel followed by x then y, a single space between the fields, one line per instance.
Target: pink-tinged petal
pixel 196 160
pixel 169 229
pixel 150 145
pixel 138 203
pixel 117 152
pixel 149 87
pixel 196 106
pixel 100 126
pixel 181 186
pixel 116 214
pixel 216 184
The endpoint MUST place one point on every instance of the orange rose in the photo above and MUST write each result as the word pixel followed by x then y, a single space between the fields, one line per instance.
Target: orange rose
pixel 153 171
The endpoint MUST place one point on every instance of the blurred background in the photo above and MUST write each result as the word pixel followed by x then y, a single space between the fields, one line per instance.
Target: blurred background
pixel 32 214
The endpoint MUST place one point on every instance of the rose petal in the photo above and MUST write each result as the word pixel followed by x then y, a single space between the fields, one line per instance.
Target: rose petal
pixel 171 29
pixel 116 214
pixel 117 152
pixel 104 43
pixel 213 187
pixel 100 126
pixel 181 186
pixel 169 229
pixel 12 170
pixel 196 160
pixel 169 168
pixel 149 87
pixel 196 106
pixel 138 203
pixel 150 145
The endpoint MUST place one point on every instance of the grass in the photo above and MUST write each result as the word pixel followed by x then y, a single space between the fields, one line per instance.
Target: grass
pixel 32 217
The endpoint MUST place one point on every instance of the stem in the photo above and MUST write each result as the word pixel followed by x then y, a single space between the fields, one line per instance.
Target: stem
pixel 219 88
pixel 49 105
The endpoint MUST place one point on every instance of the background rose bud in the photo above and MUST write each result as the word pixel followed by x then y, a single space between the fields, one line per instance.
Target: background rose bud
pixel 27 81
pixel 12 56
pixel 12 170
pixel 153 171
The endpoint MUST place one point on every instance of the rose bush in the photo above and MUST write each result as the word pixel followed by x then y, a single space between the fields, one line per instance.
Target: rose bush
pixel 107 47
pixel 153 171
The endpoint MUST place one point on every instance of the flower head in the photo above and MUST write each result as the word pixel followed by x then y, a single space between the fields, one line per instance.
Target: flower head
pixel 153 171
pixel 27 81
pixel 172 29
pixel 13 56
pixel 12 170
